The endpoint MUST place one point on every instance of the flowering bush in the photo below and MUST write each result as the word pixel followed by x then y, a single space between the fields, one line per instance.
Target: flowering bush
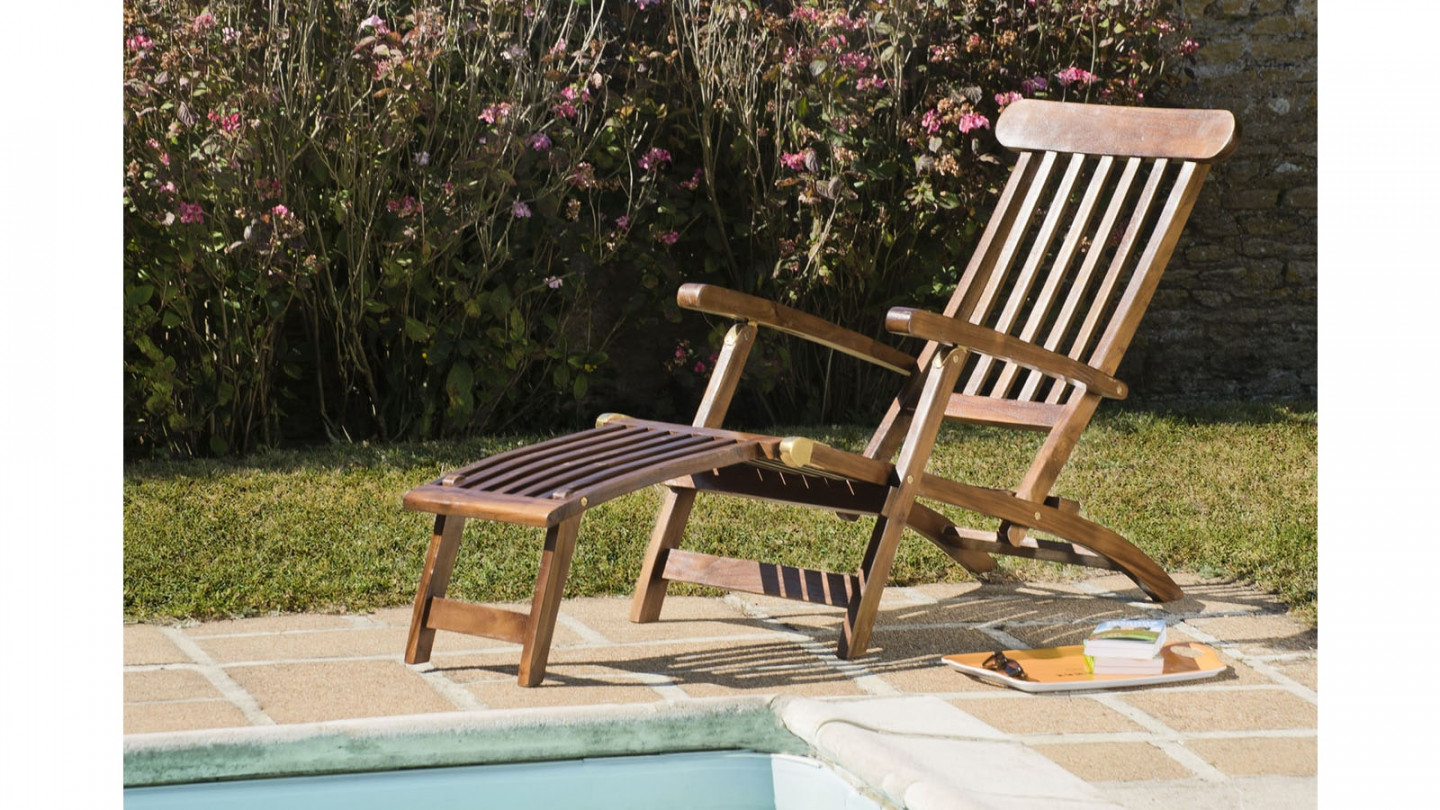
pixel 414 219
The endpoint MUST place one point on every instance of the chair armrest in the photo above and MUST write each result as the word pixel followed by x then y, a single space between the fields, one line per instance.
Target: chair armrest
pixel 721 301
pixel 954 332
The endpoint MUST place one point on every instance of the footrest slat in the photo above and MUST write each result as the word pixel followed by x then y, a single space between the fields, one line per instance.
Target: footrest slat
pixel 767 579
pixel 477 620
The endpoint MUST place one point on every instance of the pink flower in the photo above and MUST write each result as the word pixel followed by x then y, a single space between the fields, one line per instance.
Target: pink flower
pixel 280 211
pixel 1188 47
pixel 679 352
pixel 870 83
pixel 798 161
pixel 375 22
pixel 495 112
pixel 970 121
pixel 169 187
pixel 931 122
pixel 1073 74
pixel 520 210
pixel 553 282
pixel 165 159
pixel 228 123
pixel 403 207
pixel 700 368
pixel 139 42
pixel 651 161
pixel 539 142
pixel 669 238
pixel 568 93
pixel 622 222
pixel 203 23
pixel 644 4
pixel 1004 99
pixel 565 110
pixel 190 214
pixel 694 182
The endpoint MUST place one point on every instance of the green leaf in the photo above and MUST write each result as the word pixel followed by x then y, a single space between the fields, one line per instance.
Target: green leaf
pixel 416 330
pixel 138 295
pixel 582 384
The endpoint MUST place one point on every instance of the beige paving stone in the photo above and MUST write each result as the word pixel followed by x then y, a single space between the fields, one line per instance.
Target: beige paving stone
pixel 1259 756
pixel 167 684
pixel 1219 596
pixel 564 685
pixel 145 645
pixel 333 690
pixel 289 646
pixel 682 617
pixel 909 660
pixel 1115 762
pixel 1225 709
pixel 272 624
pixel 1305 672
pixel 1048 714
pixel 391 616
pixel 146 718
pixel 1260 634
pixel 949 590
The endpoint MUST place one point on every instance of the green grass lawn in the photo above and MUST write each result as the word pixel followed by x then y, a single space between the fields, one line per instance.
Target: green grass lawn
pixel 1226 490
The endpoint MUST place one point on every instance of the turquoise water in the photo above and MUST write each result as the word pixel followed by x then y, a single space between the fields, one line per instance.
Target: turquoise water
pixel 725 780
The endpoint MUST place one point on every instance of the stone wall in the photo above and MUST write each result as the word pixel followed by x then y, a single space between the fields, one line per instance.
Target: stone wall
pixel 1236 312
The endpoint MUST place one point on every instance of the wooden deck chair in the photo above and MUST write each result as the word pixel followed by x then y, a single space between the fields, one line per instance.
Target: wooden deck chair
pixel 1030 339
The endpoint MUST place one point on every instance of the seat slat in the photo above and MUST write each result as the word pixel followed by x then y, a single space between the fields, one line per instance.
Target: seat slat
pixel 515 478
pixel 489 468
pixel 557 474
pixel 578 478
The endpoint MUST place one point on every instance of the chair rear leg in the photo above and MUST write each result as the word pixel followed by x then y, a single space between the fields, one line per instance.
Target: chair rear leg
pixel 669 530
pixel 545 606
pixel 434 579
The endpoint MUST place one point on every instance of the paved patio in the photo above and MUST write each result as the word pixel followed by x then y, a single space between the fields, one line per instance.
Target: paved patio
pixel 1246 738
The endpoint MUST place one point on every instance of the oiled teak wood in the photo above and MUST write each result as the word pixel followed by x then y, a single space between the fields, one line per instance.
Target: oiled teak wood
pixel 1030 339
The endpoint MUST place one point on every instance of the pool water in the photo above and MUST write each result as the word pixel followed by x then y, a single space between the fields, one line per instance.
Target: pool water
pixel 712 780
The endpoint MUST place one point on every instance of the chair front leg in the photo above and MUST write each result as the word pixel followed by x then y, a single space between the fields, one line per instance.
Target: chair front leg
pixel 675 511
pixel 434 580
pixel 890 525
pixel 545 606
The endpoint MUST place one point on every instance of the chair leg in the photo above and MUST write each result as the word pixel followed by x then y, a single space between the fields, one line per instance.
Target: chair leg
pixel 434 579
pixel 669 530
pixel 545 606
pixel 874 573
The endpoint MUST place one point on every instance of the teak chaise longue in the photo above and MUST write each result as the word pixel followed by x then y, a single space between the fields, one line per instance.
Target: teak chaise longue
pixel 1030 339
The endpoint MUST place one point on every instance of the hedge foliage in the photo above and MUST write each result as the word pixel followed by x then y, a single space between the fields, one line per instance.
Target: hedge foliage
pixel 411 220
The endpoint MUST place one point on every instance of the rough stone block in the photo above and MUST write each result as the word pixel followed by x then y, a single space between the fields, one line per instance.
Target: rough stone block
pixel 1275 25
pixel 1254 200
pixel 1303 197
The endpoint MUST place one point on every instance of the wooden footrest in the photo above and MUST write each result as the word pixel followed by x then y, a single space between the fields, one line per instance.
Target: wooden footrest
pixel 546 483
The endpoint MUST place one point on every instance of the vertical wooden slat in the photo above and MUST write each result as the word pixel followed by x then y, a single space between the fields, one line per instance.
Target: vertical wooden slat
pixel 1076 295
pixel 1013 242
pixel 891 430
pixel 1152 263
pixel 1059 207
pixel 1101 299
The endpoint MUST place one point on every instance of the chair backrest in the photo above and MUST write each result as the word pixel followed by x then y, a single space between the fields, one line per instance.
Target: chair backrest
pixel 1077 242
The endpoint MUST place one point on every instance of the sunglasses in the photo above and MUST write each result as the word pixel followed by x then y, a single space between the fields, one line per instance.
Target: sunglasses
pixel 1000 663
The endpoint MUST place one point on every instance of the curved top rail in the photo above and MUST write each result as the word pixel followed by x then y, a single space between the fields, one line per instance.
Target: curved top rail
pixel 1093 129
